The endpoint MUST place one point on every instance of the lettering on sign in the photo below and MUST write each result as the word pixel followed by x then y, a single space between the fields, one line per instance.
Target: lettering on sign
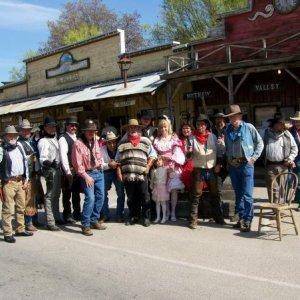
pixel 124 103
pixel 267 87
pixel 36 116
pixel 198 95
pixel 74 110
pixel 7 119
pixel 67 64
pixel 67 78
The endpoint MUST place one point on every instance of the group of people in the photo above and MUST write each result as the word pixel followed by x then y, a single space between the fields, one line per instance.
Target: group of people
pixel 149 164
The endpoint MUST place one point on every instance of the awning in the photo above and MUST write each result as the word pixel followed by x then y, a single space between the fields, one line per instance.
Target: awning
pixel 136 85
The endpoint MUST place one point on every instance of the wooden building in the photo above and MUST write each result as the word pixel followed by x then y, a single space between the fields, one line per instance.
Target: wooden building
pixel 251 58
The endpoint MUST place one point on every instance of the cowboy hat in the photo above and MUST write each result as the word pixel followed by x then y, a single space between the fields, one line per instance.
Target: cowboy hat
pixel 133 123
pixel 71 120
pixel 296 117
pixel 10 129
pixel 25 124
pixel 110 136
pixel 219 115
pixel 49 121
pixel 234 109
pixel 89 125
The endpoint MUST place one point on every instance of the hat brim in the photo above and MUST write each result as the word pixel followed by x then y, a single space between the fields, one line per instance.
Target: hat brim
pixel 295 119
pixel 111 139
pixel 128 125
pixel 69 123
pixel 26 127
pixel 15 133
pixel 233 114
pixel 50 124
pixel 90 129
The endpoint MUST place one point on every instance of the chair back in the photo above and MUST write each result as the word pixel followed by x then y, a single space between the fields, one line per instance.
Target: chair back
pixel 284 187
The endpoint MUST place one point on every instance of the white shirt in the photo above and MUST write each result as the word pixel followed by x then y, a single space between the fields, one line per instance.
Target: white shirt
pixel 63 151
pixel 17 164
pixel 48 149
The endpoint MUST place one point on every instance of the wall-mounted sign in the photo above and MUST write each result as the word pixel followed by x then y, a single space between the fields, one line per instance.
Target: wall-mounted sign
pixel 36 116
pixel 198 95
pixel 7 119
pixel 67 78
pixel 265 87
pixel 124 103
pixel 74 110
pixel 67 64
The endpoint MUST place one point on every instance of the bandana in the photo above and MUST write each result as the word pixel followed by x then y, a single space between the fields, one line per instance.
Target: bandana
pixel 134 140
pixel 202 137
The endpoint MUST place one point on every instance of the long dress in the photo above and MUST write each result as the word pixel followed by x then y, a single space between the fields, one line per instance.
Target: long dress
pixel 170 149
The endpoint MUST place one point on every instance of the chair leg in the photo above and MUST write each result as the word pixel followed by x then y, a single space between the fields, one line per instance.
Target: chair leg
pixel 294 222
pixel 278 219
pixel 260 220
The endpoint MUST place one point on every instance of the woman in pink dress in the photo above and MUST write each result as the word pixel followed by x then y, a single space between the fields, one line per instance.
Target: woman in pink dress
pixel 168 147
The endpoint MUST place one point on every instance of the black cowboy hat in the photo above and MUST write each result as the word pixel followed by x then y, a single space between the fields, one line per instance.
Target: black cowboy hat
pixel 71 120
pixel 49 121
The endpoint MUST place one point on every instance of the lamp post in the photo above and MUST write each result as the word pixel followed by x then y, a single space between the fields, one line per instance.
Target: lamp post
pixel 124 64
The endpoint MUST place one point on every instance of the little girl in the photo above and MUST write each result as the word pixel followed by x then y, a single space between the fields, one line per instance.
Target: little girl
pixel 160 194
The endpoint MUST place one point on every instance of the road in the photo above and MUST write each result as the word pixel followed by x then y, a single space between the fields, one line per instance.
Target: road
pixel 160 262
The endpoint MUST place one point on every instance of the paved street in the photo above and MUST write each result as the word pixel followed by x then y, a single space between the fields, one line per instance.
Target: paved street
pixel 160 262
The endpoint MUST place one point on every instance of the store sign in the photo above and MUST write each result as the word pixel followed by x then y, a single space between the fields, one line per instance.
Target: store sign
pixel 198 95
pixel 7 119
pixel 66 65
pixel 67 78
pixel 124 103
pixel 36 116
pixel 267 87
pixel 74 110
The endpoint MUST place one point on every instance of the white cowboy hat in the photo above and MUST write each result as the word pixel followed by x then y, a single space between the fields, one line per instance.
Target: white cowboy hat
pixel 296 116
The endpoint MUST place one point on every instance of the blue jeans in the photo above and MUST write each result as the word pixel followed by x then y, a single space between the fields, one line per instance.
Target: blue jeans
pixel 243 183
pixel 110 177
pixel 297 171
pixel 93 201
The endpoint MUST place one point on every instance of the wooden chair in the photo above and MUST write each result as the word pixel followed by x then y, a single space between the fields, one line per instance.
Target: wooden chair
pixel 283 190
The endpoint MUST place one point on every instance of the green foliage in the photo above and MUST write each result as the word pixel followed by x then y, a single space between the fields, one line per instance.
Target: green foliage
pixel 19 73
pixel 186 20
pixel 84 32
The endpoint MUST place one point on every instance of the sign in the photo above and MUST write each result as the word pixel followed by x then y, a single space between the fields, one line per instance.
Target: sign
pixel 7 119
pixel 67 78
pixel 36 116
pixel 67 64
pixel 267 87
pixel 74 110
pixel 124 103
pixel 198 95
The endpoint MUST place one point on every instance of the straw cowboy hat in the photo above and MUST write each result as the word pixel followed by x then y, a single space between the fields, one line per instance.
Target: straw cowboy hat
pixel 296 117
pixel 10 129
pixel 110 136
pixel 89 125
pixel 25 124
pixel 234 110
pixel 133 123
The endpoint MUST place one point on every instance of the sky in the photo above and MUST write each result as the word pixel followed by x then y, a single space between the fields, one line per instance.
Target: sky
pixel 23 24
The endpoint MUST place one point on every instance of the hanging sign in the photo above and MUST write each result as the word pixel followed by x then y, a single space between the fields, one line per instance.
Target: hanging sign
pixel 36 116
pixel 74 110
pixel 7 119
pixel 265 87
pixel 198 95
pixel 124 103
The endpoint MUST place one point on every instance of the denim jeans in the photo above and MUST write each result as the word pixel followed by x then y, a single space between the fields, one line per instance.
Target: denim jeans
pixel 243 183
pixel 94 197
pixel 110 177
pixel 297 171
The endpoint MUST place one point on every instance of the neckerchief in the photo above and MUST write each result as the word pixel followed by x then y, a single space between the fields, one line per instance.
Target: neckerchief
pixel 202 137
pixel 90 146
pixel 134 140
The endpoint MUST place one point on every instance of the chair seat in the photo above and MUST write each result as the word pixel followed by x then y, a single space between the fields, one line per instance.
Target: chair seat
pixel 275 206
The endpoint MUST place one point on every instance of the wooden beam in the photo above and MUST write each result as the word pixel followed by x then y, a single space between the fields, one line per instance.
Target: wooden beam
pixel 293 75
pixel 240 83
pixel 221 84
pixel 230 89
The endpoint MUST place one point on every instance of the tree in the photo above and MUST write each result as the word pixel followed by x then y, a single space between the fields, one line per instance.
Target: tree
pixel 82 18
pixel 19 73
pixel 186 20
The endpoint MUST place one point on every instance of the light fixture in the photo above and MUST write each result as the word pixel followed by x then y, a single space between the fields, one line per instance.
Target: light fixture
pixel 279 72
pixel 124 65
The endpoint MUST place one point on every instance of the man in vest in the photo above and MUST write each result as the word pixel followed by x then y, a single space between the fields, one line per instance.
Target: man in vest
pixel 280 152
pixel 26 143
pixel 244 146
pixel 207 155
pixel 70 181
pixel 110 177
pixel 88 164
pixel 14 178
pixel 50 163
pixel 295 130
pixel 135 155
